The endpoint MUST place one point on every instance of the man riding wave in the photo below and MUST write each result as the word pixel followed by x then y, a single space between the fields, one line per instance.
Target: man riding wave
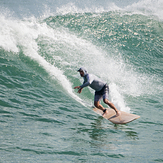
pixel 101 90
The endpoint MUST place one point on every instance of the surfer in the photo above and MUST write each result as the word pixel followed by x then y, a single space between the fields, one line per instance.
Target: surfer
pixel 101 90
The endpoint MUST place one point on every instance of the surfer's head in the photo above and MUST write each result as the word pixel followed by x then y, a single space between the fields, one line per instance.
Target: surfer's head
pixel 82 71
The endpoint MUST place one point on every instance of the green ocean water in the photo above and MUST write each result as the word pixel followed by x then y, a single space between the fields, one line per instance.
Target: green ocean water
pixel 43 119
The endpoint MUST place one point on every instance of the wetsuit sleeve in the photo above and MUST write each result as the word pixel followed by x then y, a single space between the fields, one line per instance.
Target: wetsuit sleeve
pixel 87 82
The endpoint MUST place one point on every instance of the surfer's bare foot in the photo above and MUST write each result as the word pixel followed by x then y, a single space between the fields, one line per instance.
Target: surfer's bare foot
pixel 118 113
pixel 105 112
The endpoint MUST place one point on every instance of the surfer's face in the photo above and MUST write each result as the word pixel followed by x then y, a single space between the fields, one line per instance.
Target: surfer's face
pixel 81 73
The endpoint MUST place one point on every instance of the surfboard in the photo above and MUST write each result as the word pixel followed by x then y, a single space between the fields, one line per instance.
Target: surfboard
pixel 122 119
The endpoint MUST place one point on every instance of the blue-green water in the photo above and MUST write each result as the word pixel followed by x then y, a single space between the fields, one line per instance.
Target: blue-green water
pixel 42 44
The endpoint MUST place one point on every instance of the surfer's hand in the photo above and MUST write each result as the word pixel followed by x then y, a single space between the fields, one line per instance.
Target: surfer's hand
pixel 80 90
pixel 118 113
pixel 78 87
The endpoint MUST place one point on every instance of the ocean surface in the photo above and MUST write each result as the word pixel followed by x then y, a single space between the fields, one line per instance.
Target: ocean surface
pixel 42 45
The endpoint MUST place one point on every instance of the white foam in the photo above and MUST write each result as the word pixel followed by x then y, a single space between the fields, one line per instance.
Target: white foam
pixel 16 33
pixel 72 8
pixel 117 98
pixel 147 7
pixel 144 7
pixel 7 40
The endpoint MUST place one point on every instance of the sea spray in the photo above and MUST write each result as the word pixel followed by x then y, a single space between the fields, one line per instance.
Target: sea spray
pixel 16 34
